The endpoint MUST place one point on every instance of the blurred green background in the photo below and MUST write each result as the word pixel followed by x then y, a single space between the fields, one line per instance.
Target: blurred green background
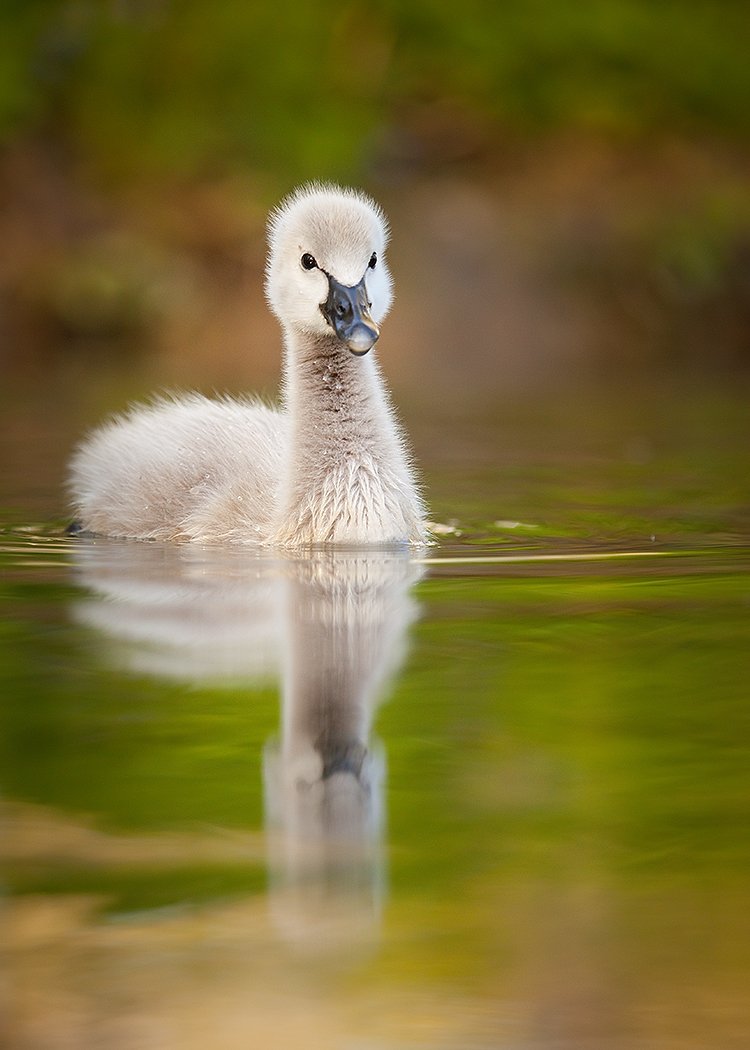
pixel 569 193
pixel 567 184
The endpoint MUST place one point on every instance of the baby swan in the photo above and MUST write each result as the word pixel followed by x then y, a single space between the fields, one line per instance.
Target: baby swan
pixel 328 466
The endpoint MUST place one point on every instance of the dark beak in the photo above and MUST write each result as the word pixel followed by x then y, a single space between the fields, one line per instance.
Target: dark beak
pixel 347 311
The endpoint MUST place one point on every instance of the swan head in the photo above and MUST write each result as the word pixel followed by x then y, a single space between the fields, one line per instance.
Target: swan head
pixel 326 270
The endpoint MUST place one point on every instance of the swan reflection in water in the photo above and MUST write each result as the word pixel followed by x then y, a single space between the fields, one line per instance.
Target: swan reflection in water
pixel 332 626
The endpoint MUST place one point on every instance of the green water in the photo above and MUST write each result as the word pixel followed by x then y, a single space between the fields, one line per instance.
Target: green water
pixel 535 831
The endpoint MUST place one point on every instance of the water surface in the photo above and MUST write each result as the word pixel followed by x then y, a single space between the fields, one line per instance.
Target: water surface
pixel 490 794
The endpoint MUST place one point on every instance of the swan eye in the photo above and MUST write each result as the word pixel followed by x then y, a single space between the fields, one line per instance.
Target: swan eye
pixel 373 260
pixel 308 262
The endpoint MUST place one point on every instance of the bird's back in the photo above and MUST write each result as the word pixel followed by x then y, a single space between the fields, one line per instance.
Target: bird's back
pixel 185 468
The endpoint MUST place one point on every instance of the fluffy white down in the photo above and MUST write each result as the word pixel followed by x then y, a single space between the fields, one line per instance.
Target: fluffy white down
pixel 328 466
pixel 187 468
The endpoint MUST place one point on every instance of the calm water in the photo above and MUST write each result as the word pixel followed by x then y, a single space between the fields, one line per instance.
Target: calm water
pixel 490 796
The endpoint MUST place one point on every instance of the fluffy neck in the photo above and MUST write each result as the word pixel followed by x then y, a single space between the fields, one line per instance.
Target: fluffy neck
pixel 348 477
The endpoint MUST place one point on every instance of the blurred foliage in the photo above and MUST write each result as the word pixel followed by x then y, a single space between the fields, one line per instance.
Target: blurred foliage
pixel 186 87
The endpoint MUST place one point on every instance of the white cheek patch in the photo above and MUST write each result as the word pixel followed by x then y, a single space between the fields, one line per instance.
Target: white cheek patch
pixel 379 290
pixel 311 289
